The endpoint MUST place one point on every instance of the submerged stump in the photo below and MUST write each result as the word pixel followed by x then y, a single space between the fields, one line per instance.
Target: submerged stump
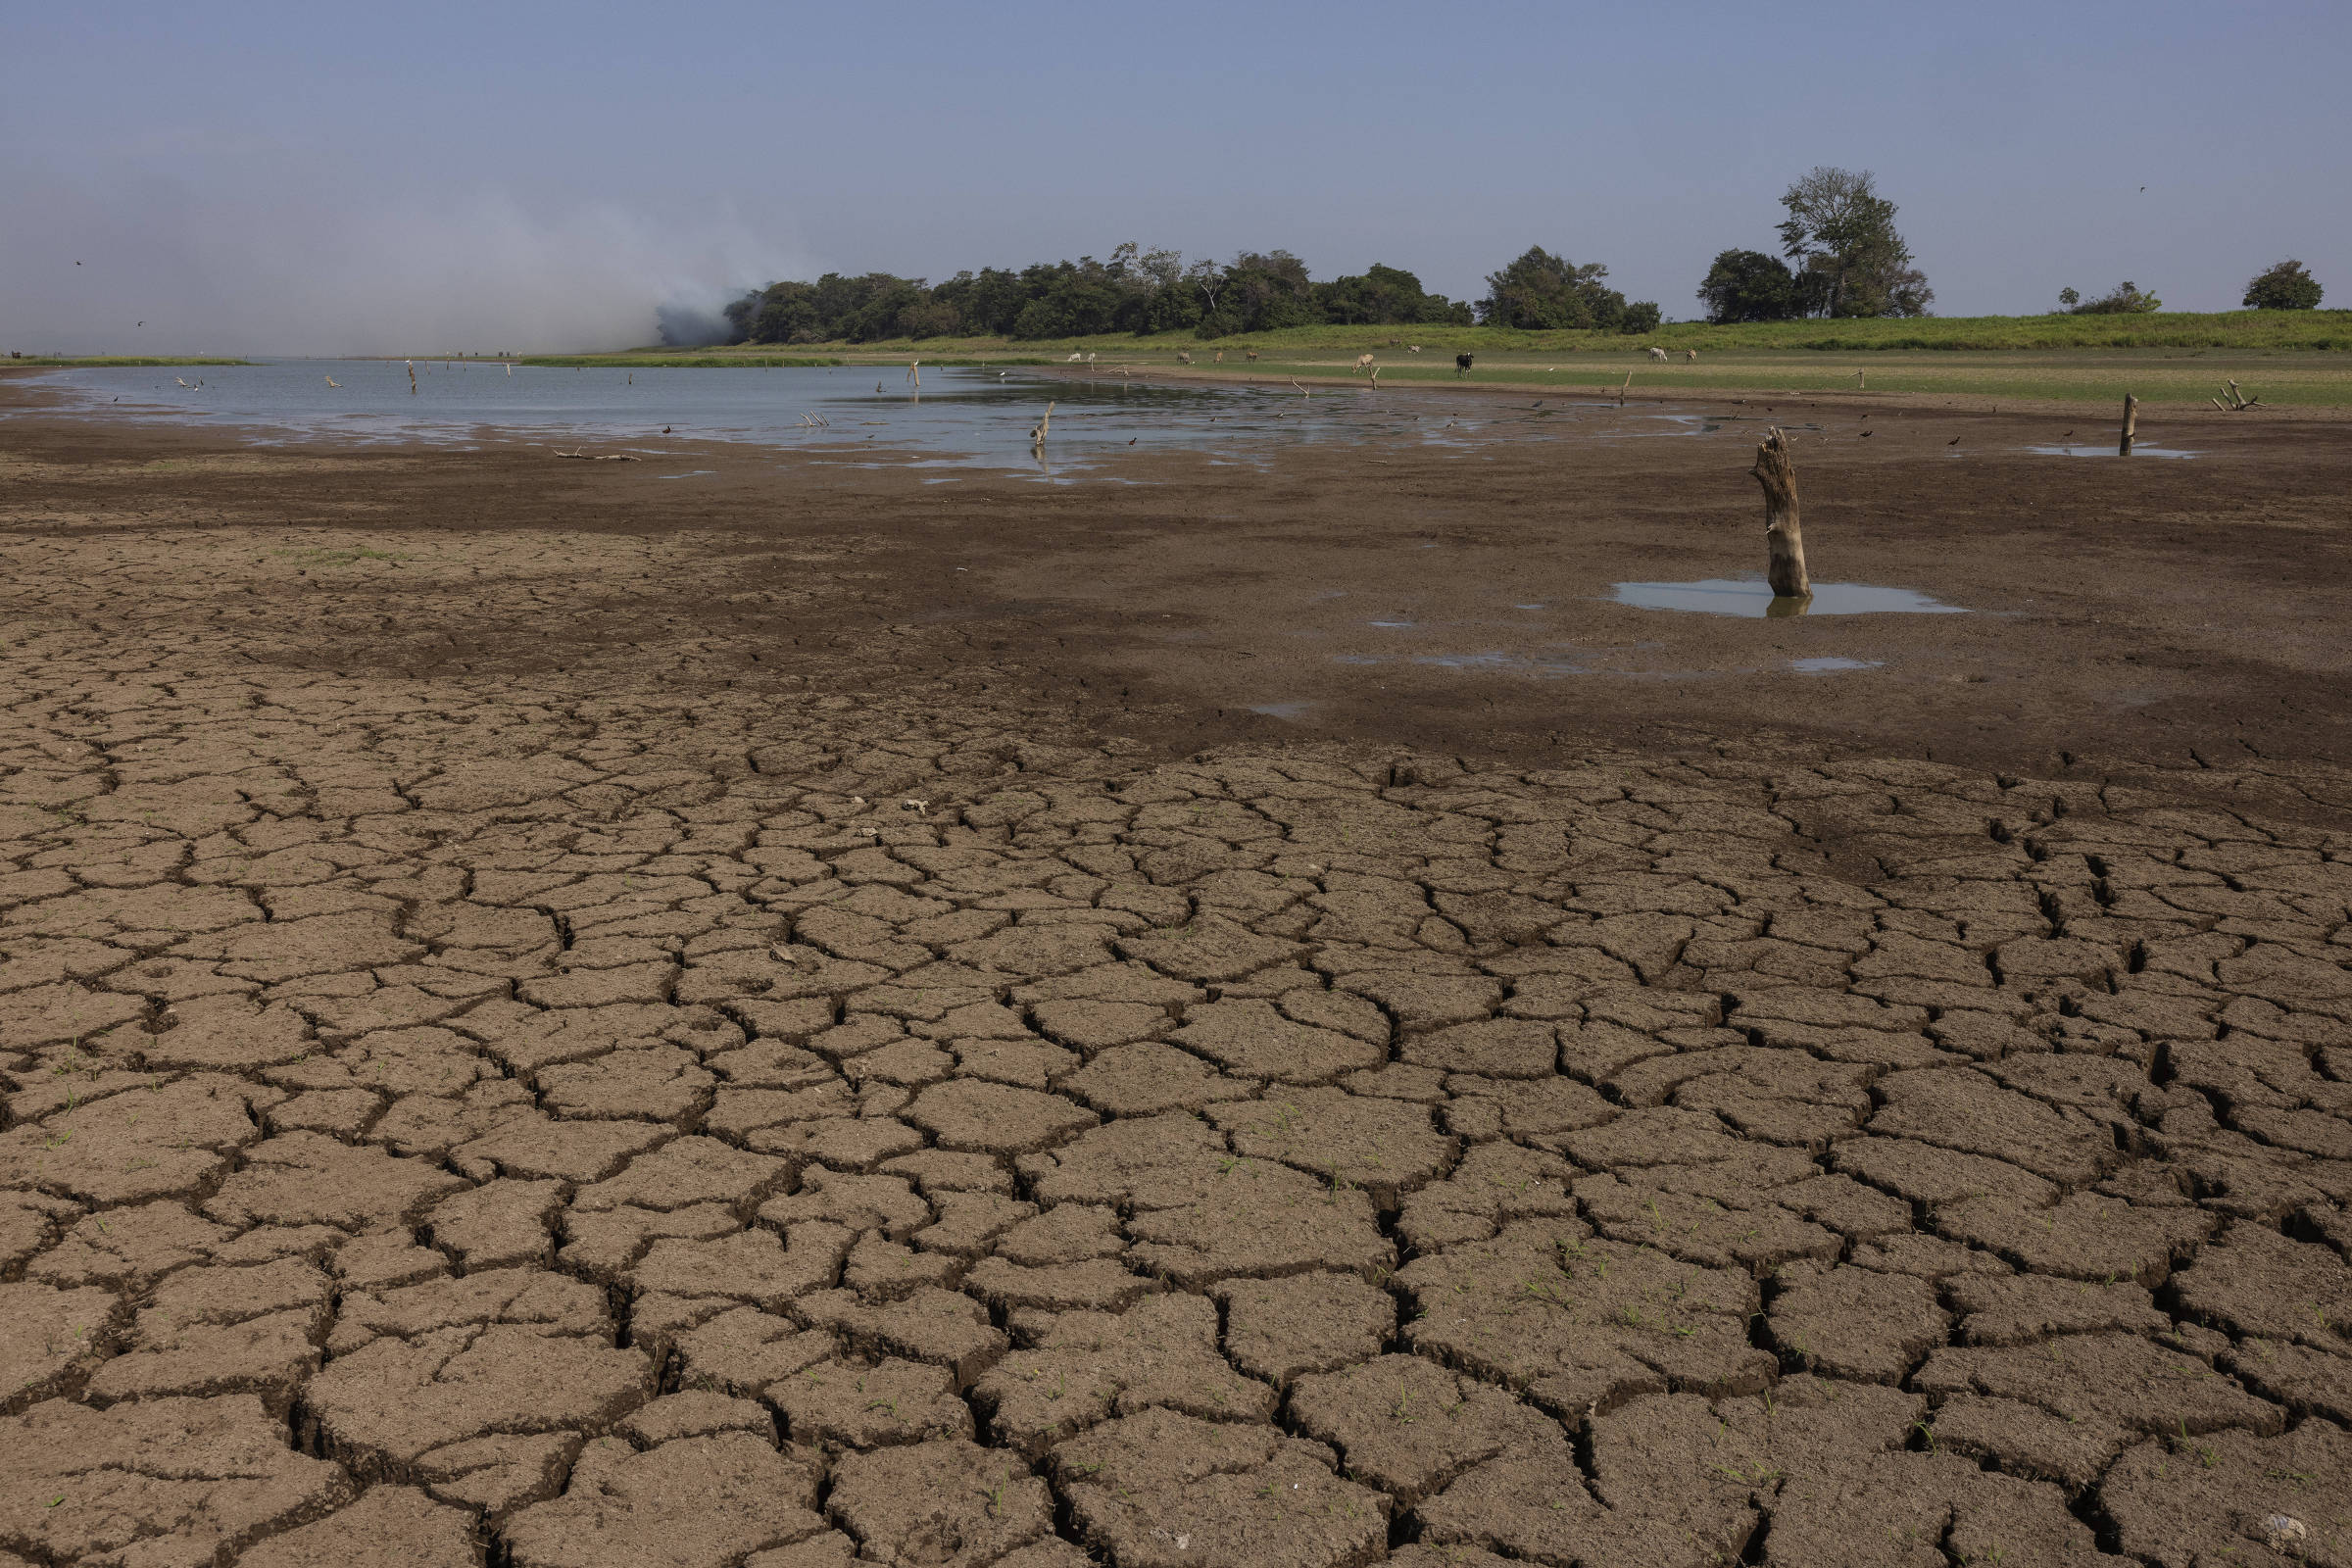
pixel 1784 568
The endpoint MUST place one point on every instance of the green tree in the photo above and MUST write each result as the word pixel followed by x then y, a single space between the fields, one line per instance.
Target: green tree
pixel 1849 261
pixel 2125 299
pixel 1544 292
pixel 2283 286
pixel 1384 296
pixel 1749 286
pixel 1260 292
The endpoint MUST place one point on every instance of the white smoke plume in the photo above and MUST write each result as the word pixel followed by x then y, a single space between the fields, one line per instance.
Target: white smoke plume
pixel 259 266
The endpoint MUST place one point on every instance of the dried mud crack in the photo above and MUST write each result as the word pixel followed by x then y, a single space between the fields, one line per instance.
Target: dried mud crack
pixel 643 1112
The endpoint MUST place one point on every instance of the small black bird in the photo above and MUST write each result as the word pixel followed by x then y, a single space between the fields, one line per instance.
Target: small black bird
pixel 2063 437
pixel 666 429
pixel 1953 442
pixel 1865 435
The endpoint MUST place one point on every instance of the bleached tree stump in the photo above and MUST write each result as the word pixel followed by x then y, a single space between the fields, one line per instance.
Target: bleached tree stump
pixel 2130 425
pixel 1784 568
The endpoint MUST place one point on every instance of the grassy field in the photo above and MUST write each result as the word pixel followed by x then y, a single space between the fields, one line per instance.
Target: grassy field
pixel 2287 358
pixel 2177 377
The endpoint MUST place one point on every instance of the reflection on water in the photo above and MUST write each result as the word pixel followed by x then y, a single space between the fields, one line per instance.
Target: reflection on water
pixel 1753 597
pixel 970 418
pixel 1829 666
pixel 1290 711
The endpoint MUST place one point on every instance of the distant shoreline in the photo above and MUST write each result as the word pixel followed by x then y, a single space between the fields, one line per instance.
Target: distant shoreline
pixel 104 361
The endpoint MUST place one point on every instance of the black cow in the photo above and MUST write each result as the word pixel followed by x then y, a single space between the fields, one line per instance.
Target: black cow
pixel 1461 364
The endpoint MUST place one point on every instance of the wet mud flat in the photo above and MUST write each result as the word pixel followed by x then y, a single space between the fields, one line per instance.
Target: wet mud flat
pixel 796 1017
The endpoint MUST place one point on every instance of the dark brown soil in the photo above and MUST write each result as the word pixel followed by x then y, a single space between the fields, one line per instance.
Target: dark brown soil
pixel 800 1017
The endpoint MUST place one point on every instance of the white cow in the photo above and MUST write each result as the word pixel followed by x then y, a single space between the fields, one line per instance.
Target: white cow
pixel 1363 363
pixel 1657 354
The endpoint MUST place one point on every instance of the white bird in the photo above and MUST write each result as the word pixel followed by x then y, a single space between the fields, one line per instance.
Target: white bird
pixel 331 382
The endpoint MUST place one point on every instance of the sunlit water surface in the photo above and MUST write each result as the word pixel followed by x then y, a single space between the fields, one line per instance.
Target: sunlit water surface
pixel 959 419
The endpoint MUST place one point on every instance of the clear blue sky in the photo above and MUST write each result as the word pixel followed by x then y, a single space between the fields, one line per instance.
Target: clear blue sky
pixel 317 179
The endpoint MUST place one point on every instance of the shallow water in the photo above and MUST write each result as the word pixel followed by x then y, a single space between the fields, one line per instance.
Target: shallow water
pixel 2107 450
pixel 957 417
pixel 1753 597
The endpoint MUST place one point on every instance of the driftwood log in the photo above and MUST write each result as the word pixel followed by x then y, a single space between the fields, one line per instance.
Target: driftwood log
pixel 2123 448
pixel 1784 568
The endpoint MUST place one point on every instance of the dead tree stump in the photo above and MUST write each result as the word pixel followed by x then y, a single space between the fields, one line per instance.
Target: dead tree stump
pixel 1784 568
pixel 2130 425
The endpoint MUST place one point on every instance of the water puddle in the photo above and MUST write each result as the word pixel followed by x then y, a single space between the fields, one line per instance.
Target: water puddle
pixel 1753 598
pixel 690 474
pixel 1289 710
pixel 1831 666
pixel 1502 663
pixel 2105 450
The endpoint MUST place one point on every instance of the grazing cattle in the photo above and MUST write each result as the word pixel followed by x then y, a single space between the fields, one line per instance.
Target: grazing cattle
pixel 1412 348
pixel 1363 363
pixel 1692 355
pixel 1251 354
pixel 1219 359
pixel 1183 358
pixel 1461 364
pixel 1657 354
pixel 1075 358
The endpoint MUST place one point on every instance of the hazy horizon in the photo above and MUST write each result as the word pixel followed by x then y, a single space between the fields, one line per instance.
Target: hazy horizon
pixel 278 181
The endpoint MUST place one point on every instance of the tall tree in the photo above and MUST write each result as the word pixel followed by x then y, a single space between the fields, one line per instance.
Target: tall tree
pixel 2283 286
pixel 1544 292
pixel 1849 259
pixel 1749 286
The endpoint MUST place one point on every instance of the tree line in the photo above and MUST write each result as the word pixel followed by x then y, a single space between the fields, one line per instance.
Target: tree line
pixel 1840 256
pixel 1144 292
pixel 1135 291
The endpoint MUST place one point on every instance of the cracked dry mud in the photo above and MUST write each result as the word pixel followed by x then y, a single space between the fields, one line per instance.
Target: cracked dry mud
pixel 610 1121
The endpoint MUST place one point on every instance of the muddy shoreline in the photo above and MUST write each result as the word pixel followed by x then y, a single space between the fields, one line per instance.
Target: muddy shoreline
pixel 2164 613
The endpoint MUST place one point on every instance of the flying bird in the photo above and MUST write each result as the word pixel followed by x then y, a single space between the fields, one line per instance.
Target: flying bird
pixel 142 324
